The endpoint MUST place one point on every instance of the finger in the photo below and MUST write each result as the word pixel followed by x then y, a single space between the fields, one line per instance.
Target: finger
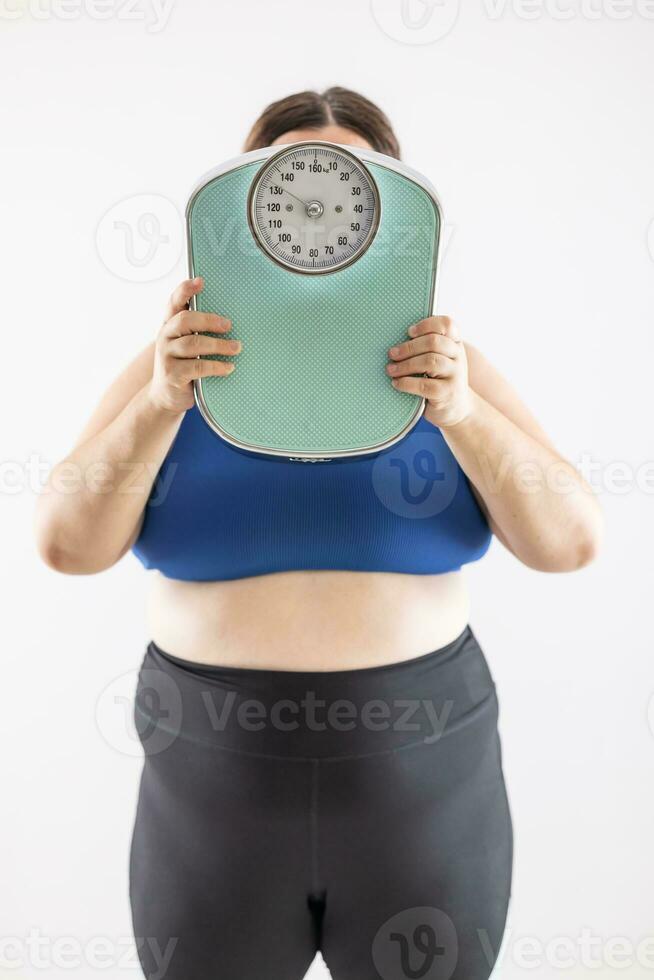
pixel 435 342
pixel 435 365
pixel 428 388
pixel 211 369
pixel 188 321
pixel 182 295
pixel 200 345
pixel 442 325
pixel 192 369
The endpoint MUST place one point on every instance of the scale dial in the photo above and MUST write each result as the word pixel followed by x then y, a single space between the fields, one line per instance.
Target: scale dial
pixel 314 208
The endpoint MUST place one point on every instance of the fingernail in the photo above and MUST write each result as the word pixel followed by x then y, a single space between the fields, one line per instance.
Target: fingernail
pixel 392 368
pixel 411 331
pixel 394 351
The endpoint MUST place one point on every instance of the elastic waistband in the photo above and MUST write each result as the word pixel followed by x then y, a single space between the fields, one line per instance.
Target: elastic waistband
pixel 312 715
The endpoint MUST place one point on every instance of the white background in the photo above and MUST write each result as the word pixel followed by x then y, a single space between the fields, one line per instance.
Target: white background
pixel 535 125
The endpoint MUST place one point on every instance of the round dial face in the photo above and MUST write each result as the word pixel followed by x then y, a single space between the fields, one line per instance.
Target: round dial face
pixel 314 208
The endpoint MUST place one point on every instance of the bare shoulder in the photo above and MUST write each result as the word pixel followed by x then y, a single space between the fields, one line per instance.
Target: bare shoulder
pixel 494 388
pixel 119 394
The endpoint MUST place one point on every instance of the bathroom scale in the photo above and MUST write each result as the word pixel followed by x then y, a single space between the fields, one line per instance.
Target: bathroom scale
pixel 322 256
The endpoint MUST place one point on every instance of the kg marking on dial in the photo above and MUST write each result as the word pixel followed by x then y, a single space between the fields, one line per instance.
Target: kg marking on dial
pixel 314 208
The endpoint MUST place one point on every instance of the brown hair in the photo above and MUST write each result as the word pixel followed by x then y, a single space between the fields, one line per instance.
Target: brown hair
pixel 312 110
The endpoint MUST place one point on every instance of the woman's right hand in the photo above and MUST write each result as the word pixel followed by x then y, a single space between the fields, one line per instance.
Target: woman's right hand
pixel 181 350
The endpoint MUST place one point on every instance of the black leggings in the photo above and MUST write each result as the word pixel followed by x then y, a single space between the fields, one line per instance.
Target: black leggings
pixel 359 813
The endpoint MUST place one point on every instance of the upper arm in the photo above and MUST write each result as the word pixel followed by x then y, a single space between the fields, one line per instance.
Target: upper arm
pixel 496 390
pixel 119 393
pixel 487 382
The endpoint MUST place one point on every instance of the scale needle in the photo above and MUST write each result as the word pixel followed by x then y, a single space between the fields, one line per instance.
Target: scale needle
pixel 305 204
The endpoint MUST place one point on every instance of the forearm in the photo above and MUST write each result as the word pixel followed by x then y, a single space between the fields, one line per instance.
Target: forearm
pixel 538 504
pixel 91 507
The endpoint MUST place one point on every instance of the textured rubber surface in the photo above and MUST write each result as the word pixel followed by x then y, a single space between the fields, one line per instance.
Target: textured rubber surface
pixel 310 377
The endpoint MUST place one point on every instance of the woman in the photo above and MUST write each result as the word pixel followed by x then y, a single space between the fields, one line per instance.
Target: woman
pixel 322 761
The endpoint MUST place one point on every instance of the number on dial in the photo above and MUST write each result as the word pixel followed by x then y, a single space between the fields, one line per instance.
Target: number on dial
pixel 314 208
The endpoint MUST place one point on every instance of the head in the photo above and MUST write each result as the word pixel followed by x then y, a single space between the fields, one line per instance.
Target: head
pixel 337 115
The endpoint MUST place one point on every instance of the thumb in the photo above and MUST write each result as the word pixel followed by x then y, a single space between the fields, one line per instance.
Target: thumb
pixel 180 298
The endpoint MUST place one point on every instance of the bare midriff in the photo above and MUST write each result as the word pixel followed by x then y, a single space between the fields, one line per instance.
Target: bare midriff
pixel 308 620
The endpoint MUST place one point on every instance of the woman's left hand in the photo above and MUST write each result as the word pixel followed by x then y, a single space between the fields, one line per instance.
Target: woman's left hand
pixel 435 350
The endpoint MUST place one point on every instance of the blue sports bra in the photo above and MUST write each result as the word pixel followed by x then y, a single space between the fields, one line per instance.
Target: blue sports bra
pixel 217 512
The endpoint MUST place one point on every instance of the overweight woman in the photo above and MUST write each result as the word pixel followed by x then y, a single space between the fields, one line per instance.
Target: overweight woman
pixel 322 762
